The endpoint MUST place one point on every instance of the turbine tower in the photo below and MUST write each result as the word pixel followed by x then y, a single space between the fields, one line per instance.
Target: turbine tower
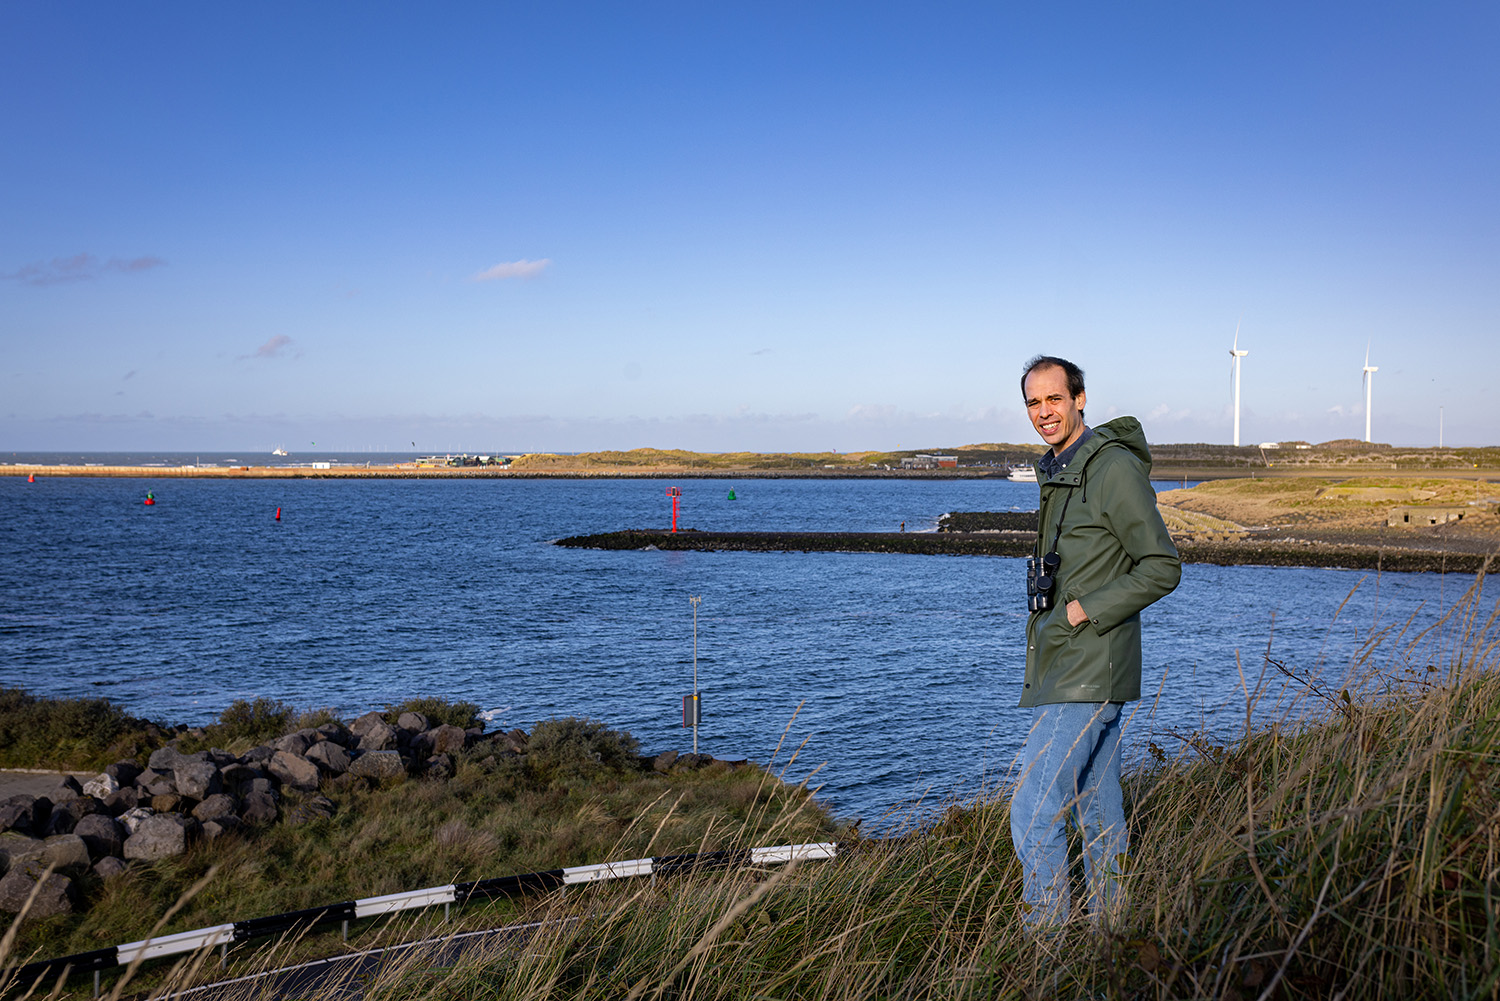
pixel 1369 370
pixel 1237 354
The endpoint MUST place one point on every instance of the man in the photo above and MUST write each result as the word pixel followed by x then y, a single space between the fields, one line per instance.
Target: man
pixel 1102 555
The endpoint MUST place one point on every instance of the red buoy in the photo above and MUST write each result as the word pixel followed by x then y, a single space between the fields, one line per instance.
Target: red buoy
pixel 676 495
pixel 278 514
pixel 31 477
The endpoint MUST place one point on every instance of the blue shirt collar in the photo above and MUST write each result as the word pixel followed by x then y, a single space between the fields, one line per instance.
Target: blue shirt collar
pixel 1054 464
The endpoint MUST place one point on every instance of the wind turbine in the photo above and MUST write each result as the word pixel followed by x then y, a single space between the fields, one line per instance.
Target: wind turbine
pixel 1237 354
pixel 1369 370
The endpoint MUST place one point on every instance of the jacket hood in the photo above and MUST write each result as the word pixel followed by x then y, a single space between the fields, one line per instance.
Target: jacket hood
pixel 1124 431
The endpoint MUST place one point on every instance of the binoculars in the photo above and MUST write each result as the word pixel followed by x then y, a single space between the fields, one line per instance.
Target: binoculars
pixel 1041 579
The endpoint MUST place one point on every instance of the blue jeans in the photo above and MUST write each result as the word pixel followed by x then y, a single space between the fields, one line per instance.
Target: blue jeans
pixel 1069 764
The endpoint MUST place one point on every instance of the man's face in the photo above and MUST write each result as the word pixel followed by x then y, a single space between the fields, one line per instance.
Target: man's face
pixel 1056 415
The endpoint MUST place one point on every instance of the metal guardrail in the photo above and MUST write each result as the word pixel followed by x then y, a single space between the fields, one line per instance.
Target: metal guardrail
pixel 224 935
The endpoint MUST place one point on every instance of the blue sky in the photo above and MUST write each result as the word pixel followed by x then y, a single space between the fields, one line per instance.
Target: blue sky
pixel 741 226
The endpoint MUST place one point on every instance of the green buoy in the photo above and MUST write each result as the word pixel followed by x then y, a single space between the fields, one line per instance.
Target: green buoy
pixel 731 493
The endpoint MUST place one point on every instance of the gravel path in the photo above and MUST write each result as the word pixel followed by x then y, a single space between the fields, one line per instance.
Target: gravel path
pixel 33 782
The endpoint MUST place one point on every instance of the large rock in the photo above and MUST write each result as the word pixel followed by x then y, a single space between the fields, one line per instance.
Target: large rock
pixel 155 783
pixel 101 786
pixel 121 800
pixel 258 755
pixel 295 771
pixel 293 743
pixel 17 848
pixel 80 807
pixel 413 722
pixel 102 835
pixel 236 777
pixel 131 820
pixel 362 725
pixel 258 808
pixel 64 850
pixel 220 758
pixel 59 821
pixel 215 807
pixel 378 765
pixel 447 739
pixel 166 803
pixel 213 829
pixel 109 867
pixel 55 895
pixel 335 733
pixel 24 813
pixel 329 757
pixel 66 788
pixel 379 736
pixel 439 766
pixel 123 772
pixel 160 836
pixel 444 739
pixel 312 808
pixel 164 759
pixel 196 779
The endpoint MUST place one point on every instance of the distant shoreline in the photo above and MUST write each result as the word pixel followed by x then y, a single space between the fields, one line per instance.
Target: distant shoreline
pixel 406 471
pixel 1160 472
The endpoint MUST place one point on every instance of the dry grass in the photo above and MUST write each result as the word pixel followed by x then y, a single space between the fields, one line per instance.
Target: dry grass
pixel 1196 526
pixel 1326 503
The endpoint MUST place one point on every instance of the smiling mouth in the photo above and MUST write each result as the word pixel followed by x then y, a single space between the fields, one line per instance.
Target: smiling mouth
pixel 1049 428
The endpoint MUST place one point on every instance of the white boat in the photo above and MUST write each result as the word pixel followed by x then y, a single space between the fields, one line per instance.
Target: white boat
pixel 1022 474
pixel 278 451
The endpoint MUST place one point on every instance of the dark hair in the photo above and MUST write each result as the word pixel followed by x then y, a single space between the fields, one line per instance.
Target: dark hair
pixel 1073 372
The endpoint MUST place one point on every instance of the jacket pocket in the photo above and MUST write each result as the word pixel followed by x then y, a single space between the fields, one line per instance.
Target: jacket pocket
pixel 1074 660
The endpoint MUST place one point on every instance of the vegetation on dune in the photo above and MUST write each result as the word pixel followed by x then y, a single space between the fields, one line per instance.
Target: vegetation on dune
pixel 1320 501
pixel 580 795
pixel 69 733
pixel 1351 855
pixel 678 459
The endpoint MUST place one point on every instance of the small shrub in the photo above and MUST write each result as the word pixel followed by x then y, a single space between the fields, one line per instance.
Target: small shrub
pixel 253 721
pixel 438 711
pixel 60 733
pixel 314 718
pixel 571 748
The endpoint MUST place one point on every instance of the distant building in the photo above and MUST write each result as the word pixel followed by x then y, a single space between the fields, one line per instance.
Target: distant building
pixel 921 461
pixel 1424 515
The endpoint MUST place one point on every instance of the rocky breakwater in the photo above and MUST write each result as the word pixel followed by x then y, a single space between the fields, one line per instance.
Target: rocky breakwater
pixel 132 814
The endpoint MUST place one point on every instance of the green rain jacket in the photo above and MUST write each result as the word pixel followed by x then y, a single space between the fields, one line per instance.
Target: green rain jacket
pixel 1117 558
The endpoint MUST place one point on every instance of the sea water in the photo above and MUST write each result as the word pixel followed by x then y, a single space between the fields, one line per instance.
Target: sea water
pixel 890 678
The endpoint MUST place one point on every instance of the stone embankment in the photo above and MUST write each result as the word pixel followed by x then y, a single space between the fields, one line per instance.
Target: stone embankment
pixel 1242 548
pixel 130 814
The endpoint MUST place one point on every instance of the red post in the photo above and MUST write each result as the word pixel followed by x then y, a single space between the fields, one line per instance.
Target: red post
pixel 676 496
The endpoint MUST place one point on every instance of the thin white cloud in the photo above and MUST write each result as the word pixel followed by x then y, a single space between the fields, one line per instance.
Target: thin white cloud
pixel 513 269
pixel 78 268
pixel 271 349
